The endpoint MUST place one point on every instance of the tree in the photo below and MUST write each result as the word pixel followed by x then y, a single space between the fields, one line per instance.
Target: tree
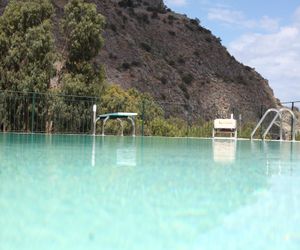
pixel 26 58
pixel 116 99
pixel 81 75
pixel 26 46
pixel 82 26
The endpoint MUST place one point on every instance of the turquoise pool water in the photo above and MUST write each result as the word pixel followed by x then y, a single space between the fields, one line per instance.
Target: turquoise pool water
pixel 80 192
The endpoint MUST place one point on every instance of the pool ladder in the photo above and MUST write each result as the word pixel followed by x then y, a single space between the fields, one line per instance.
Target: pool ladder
pixel 278 114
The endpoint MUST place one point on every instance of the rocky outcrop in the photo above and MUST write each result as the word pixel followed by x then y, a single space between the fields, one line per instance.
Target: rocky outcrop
pixel 174 58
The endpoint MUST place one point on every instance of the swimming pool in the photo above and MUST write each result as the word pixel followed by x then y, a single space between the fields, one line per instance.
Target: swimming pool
pixel 80 192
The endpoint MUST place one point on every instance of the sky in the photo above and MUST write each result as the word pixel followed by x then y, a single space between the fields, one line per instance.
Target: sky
pixel 264 35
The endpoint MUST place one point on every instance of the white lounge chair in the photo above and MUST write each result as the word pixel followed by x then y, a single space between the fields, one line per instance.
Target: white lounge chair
pixel 225 126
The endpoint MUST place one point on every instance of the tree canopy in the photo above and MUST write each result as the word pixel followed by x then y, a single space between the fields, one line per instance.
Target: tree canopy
pixel 82 27
pixel 26 46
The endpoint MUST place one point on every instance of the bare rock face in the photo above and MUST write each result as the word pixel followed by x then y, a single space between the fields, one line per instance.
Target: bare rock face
pixel 176 60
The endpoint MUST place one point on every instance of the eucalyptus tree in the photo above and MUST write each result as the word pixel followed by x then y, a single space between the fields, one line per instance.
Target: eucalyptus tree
pixel 82 26
pixel 27 55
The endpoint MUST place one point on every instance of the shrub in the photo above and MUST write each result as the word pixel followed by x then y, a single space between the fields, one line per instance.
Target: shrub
pixel 145 46
pixel 208 39
pixel 181 59
pixel 246 130
pixel 190 27
pixel 143 18
pixel 112 56
pixel 125 19
pixel 126 3
pixel 298 136
pixel 195 21
pixel 163 80
pixel 188 78
pixel 113 27
pixel 136 64
pixel 172 18
pixel 162 127
pixel 171 63
pixel 125 66
pixel 158 9
pixel 201 129
pixel 196 53
pixel 172 33
pixel 154 15
pixel 184 89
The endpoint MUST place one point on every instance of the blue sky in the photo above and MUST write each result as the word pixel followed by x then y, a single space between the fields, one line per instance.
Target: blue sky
pixel 262 34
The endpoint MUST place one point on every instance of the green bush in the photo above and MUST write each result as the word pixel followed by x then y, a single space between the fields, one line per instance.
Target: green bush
pixel 298 136
pixel 201 129
pixel 116 99
pixel 161 127
pixel 246 130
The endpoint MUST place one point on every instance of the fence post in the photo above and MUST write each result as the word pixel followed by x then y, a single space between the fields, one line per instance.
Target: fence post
pixel 32 112
pixel 240 124
pixel 188 121
pixel 143 116
pixel 292 123
pixel 261 115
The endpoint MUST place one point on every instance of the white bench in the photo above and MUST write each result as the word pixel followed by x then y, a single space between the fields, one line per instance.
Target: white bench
pixel 225 126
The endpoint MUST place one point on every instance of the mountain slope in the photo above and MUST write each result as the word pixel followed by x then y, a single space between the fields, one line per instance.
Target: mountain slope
pixel 155 50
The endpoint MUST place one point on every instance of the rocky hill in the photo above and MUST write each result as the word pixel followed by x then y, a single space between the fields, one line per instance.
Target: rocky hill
pixel 175 59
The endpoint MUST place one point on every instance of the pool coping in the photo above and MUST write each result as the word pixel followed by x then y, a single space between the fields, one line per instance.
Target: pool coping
pixel 139 136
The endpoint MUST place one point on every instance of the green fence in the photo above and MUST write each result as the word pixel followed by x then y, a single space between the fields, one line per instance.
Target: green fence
pixel 45 113
pixel 51 113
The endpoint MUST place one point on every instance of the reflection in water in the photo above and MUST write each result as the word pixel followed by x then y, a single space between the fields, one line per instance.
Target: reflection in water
pixel 93 161
pixel 126 153
pixel 282 160
pixel 116 151
pixel 279 158
pixel 224 151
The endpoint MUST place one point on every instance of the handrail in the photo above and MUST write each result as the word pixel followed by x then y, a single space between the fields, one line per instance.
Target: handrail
pixel 271 124
pixel 294 121
pixel 278 114
pixel 262 119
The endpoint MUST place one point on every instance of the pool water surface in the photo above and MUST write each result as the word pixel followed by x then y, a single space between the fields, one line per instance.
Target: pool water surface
pixel 84 192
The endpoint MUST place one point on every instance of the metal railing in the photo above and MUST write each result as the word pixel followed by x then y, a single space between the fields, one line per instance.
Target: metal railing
pixel 56 113
pixel 294 106
pixel 45 112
